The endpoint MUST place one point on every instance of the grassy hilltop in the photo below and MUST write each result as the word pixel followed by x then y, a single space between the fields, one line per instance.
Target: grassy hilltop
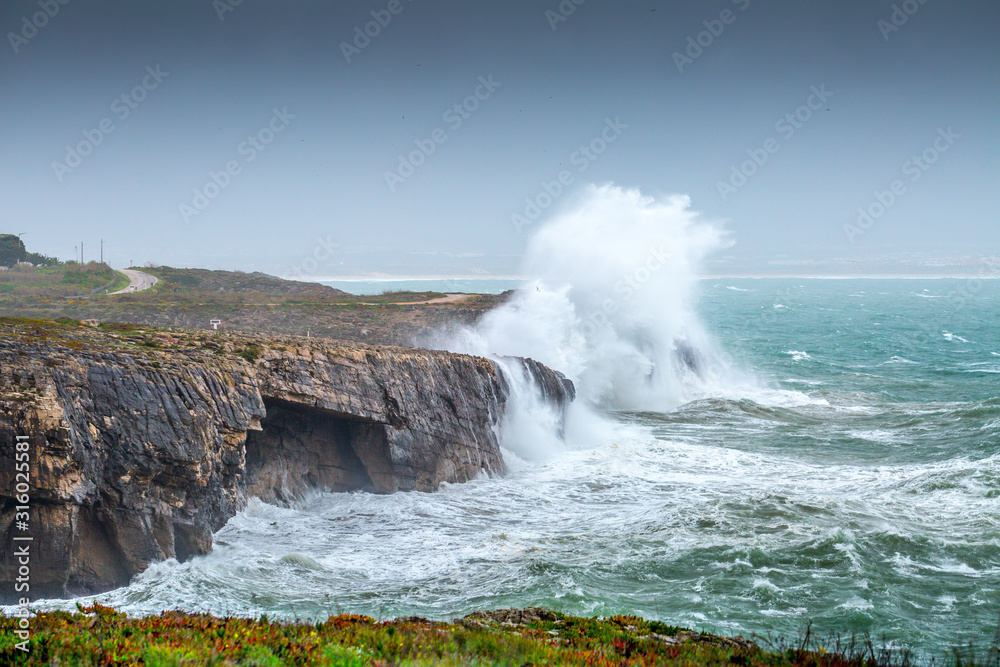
pixel 257 302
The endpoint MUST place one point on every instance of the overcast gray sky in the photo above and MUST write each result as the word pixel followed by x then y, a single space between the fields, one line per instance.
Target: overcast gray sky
pixel 252 135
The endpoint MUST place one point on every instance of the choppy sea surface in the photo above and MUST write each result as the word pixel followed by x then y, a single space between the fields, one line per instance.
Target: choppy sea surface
pixel 857 487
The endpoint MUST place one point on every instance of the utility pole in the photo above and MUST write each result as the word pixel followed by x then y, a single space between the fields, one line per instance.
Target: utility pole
pixel 81 252
pixel 102 251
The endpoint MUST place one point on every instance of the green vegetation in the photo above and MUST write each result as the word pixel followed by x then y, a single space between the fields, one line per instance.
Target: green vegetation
pixel 89 276
pixel 251 353
pixel 102 636
pixel 69 279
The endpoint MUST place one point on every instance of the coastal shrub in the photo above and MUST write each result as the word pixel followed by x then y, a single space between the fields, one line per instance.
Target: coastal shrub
pixel 343 656
pixel 260 656
pixel 162 656
pixel 251 353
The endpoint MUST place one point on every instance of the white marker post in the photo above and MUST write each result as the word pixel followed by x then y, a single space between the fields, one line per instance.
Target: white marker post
pixel 215 324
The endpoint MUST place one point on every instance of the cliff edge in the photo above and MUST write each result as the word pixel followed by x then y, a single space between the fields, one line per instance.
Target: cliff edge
pixel 142 444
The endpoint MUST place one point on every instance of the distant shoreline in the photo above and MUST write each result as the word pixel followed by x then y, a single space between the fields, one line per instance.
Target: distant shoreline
pixel 876 276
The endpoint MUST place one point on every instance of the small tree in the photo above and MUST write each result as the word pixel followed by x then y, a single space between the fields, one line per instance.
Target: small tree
pixel 12 250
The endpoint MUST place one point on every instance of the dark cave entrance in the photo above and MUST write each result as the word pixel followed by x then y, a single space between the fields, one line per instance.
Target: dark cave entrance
pixel 301 447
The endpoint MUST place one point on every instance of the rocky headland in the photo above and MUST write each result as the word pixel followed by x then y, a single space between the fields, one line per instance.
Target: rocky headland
pixel 142 443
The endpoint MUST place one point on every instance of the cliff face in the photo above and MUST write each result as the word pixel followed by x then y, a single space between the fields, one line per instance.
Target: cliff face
pixel 138 455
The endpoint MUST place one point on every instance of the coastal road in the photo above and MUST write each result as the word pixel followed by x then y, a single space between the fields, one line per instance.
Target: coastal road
pixel 138 281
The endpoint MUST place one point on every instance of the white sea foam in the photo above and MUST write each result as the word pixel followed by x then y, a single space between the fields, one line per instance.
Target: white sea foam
pixel 898 360
pixel 611 302
pixel 947 601
pixel 761 582
pixel 876 435
pixel 857 604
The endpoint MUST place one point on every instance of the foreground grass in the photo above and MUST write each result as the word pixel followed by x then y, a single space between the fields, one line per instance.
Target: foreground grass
pixel 101 636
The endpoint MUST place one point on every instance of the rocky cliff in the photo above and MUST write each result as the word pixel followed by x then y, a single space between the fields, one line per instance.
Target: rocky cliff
pixel 141 444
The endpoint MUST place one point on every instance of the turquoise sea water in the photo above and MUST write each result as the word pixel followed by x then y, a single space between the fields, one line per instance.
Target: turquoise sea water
pixel 857 487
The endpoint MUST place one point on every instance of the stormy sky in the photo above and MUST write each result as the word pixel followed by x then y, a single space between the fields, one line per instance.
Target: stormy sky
pixel 427 137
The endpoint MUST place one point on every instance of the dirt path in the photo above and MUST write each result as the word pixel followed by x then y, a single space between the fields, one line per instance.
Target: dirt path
pixel 448 298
